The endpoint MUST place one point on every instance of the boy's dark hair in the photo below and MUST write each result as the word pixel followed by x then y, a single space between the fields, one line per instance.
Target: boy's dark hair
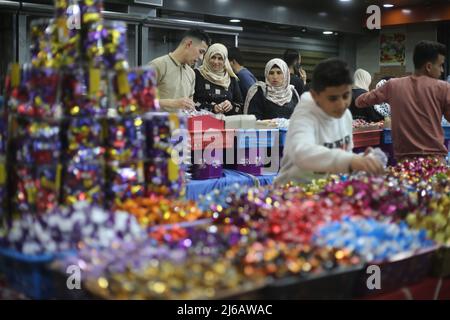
pixel 197 34
pixel 235 54
pixel 331 73
pixel 427 51
pixel 290 56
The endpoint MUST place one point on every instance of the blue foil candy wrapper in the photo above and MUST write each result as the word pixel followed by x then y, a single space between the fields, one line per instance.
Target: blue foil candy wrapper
pixel 373 240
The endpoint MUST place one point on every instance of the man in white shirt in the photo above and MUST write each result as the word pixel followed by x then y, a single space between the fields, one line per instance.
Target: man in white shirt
pixel 319 140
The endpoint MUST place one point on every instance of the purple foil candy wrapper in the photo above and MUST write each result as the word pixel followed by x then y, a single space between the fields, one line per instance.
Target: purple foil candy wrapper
pixel 124 182
pixel 77 98
pixel 85 140
pixel 73 228
pixel 115 45
pixel 158 182
pixel 40 98
pixel 126 139
pixel 38 142
pixel 84 182
pixel 122 257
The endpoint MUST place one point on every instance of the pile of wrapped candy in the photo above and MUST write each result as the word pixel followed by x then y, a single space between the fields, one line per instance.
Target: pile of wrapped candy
pixel 371 239
pixel 158 210
pixel 71 228
pixel 206 262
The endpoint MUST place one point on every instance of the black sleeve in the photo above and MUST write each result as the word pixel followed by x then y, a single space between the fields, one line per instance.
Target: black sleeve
pixel 200 94
pixel 298 84
pixel 368 114
pixel 237 98
pixel 256 105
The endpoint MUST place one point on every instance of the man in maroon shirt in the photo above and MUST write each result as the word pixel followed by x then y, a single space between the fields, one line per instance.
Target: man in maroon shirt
pixel 418 103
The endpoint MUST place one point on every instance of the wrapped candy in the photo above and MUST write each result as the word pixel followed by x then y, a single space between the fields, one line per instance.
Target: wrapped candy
pixel 40 95
pixel 84 93
pixel 386 197
pixel 91 11
pixel 124 181
pixel 84 182
pixel 164 275
pixel 164 177
pixel 53 44
pixel 38 142
pixel 115 45
pixel 373 240
pixel 36 188
pixel 135 91
pixel 278 259
pixel 435 218
pixel 157 210
pixel 85 140
pixel 126 139
pixel 72 228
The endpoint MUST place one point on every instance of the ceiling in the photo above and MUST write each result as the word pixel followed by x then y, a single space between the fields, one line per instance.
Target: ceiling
pixel 353 5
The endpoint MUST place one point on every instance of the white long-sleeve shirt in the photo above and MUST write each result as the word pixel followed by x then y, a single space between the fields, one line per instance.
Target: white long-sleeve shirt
pixel 316 144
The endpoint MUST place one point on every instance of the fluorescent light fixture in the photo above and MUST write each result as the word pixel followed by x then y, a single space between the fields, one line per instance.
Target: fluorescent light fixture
pixel 328 32
pixel 388 5
pixel 235 20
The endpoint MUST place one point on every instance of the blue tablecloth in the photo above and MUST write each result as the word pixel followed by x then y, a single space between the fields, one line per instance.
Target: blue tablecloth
pixel 195 188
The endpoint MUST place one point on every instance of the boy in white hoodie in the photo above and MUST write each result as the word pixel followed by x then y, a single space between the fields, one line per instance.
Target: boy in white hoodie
pixel 319 140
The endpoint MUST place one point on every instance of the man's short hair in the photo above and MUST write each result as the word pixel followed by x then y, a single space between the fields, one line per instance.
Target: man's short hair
pixel 290 56
pixel 235 54
pixel 331 73
pixel 427 51
pixel 198 35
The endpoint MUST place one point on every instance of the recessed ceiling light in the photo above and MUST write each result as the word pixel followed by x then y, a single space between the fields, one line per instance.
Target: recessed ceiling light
pixel 388 5
pixel 328 32
pixel 235 20
pixel 406 11
pixel 304 30
pixel 345 0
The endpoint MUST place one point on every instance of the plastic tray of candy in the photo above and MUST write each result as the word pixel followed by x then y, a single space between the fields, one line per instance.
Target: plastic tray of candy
pixel 29 274
pixel 335 284
pixel 401 270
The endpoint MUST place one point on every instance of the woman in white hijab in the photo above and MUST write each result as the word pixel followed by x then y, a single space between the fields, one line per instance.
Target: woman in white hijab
pixel 362 81
pixel 274 98
pixel 216 86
